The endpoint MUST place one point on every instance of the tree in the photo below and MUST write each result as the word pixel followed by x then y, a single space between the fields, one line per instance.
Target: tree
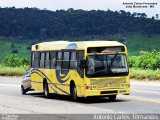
pixel 33 23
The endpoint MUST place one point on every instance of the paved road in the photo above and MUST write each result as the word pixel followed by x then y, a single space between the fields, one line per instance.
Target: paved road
pixel 145 98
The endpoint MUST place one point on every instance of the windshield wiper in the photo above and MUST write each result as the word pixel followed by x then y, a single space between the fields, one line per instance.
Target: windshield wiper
pixel 112 60
pixel 109 66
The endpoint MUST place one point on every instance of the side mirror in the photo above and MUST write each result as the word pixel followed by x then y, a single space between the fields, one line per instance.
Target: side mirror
pixel 82 64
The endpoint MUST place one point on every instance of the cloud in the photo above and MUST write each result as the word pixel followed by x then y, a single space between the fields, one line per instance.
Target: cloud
pixel 80 4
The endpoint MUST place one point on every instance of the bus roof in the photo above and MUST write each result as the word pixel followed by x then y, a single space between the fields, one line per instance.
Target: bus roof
pixel 59 45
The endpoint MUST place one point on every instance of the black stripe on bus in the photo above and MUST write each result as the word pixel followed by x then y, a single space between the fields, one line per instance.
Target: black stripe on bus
pixel 49 80
pixel 42 82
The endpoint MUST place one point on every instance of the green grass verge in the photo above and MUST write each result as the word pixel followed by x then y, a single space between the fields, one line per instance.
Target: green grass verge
pixel 137 73
pixel 9 71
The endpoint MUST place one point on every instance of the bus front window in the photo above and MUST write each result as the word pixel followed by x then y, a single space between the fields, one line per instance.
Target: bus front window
pixel 106 65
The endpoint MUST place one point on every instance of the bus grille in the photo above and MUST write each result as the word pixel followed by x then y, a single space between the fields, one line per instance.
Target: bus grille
pixel 106 83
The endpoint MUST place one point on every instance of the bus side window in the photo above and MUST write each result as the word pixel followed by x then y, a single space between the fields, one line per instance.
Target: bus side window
pixel 42 59
pixel 65 62
pixel 73 60
pixel 53 59
pixel 47 60
pixel 35 59
pixel 59 60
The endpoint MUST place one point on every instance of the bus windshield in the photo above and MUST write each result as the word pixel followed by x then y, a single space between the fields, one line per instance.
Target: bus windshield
pixel 106 65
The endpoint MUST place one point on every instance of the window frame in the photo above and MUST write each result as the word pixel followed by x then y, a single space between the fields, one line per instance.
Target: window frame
pixel 42 65
pixel 53 59
pixel 65 60
pixel 35 62
pixel 58 60
pixel 47 60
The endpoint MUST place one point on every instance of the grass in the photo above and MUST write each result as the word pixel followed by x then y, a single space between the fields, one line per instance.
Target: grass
pixel 145 74
pixel 9 71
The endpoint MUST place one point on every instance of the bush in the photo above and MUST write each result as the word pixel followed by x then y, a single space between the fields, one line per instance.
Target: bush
pixel 146 60
pixel 133 60
pixel 15 61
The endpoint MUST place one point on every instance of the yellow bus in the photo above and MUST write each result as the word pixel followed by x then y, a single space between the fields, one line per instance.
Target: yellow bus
pixel 80 69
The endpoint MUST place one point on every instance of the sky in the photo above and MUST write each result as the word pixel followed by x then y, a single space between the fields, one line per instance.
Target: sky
pixel 83 4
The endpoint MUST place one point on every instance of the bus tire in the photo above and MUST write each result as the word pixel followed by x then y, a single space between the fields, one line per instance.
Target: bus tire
pixel 73 92
pixel 23 91
pixel 45 89
pixel 112 98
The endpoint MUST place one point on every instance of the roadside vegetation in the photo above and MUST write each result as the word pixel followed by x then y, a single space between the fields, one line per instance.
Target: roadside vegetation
pixel 13 65
pixel 146 74
pixel 145 66
pixel 12 71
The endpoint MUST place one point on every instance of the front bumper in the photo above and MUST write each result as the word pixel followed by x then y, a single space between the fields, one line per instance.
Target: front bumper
pixel 123 91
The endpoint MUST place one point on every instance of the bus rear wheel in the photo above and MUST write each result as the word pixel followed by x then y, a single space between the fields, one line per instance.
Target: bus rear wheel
pixel 73 92
pixel 45 89
pixel 112 98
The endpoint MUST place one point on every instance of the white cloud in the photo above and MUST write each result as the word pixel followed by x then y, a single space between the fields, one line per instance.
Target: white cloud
pixel 81 4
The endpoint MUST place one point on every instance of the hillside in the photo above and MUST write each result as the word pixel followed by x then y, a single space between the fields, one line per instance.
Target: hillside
pixel 137 42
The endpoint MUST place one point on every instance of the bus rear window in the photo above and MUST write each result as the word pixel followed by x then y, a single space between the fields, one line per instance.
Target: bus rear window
pixel 106 49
